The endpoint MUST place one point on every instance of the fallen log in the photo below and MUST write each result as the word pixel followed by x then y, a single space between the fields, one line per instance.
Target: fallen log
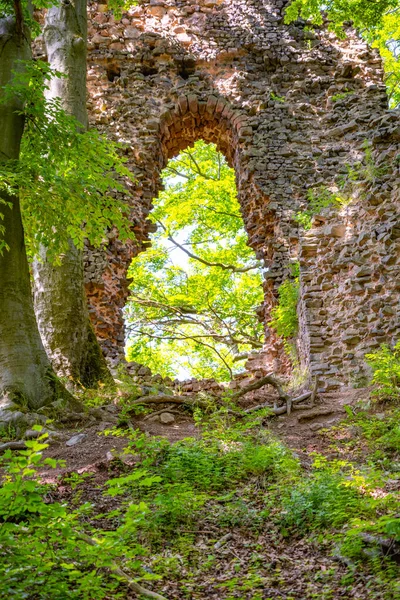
pixel 19 445
pixel 388 546
pixel 221 542
pixel 164 399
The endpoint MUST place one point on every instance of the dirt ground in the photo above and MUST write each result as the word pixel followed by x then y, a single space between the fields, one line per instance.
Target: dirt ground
pixel 299 430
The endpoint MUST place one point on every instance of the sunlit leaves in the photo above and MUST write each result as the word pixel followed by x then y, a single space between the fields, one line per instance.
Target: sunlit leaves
pixel 46 551
pixel 387 39
pixel 185 313
pixel 378 22
pixel 67 179
pixel 385 364
pixel 363 13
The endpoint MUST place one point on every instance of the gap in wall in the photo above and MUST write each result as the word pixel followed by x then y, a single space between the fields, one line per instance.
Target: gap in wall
pixel 195 292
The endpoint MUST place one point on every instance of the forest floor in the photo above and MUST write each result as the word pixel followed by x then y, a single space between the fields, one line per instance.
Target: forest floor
pixel 94 450
pixel 229 541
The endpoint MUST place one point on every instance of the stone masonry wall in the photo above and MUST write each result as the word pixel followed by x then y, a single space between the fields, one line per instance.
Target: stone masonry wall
pixel 231 72
pixel 350 264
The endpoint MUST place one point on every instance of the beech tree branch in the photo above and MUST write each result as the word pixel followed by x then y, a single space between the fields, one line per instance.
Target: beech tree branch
pixel 197 168
pixel 206 262
pixel 178 173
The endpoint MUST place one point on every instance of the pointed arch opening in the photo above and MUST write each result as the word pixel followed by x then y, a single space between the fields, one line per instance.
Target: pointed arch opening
pixel 195 293
pixel 174 127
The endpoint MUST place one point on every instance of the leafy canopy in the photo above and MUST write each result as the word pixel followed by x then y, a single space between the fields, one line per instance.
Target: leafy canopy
pixel 377 20
pixel 64 176
pixel 194 293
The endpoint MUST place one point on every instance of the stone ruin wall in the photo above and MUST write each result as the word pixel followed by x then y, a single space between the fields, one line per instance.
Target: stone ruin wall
pixel 231 72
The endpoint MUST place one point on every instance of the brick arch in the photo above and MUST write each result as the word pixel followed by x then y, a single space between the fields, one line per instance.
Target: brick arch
pixel 214 120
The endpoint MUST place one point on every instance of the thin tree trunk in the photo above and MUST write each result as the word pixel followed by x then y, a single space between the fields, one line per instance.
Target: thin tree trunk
pixel 26 377
pixel 60 299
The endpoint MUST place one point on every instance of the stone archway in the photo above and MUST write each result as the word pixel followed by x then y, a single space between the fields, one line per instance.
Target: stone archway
pixel 291 109
pixel 211 118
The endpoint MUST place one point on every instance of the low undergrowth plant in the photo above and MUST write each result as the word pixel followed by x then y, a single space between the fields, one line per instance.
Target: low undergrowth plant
pixel 342 95
pixel 380 432
pixel 48 550
pixel 284 315
pixel 237 475
pixel 188 476
pixel 385 364
pixel 329 497
pixel 8 433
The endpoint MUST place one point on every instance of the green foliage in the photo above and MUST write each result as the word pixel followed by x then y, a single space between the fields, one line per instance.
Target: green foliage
pixel 195 309
pixel 8 433
pixel 45 552
pixel 212 464
pixel 386 38
pixel 175 505
pixel 318 199
pixel 380 432
pixel 326 499
pixel 363 13
pixel 277 98
pixel 65 188
pixel 191 472
pixel 365 170
pixel 378 22
pixel 237 475
pixel 120 6
pixel 357 174
pixel 341 96
pixel 385 364
pixel 3 245
pixel 284 315
pixel 120 485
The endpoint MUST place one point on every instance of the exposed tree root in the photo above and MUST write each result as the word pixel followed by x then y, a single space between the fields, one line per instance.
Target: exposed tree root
pixel 159 412
pixel 322 412
pixel 279 410
pixel 267 380
pixel 222 541
pixel 164 399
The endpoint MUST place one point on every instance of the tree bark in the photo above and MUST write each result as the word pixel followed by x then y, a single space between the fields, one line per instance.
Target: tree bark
pixel 26 377
pixel 60 299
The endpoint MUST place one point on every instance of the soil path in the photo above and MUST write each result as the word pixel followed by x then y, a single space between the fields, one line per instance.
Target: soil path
pixel 300 431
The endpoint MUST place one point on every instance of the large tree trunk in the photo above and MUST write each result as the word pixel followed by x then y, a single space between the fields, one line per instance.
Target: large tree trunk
pixel 26 377
pixel 60 299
